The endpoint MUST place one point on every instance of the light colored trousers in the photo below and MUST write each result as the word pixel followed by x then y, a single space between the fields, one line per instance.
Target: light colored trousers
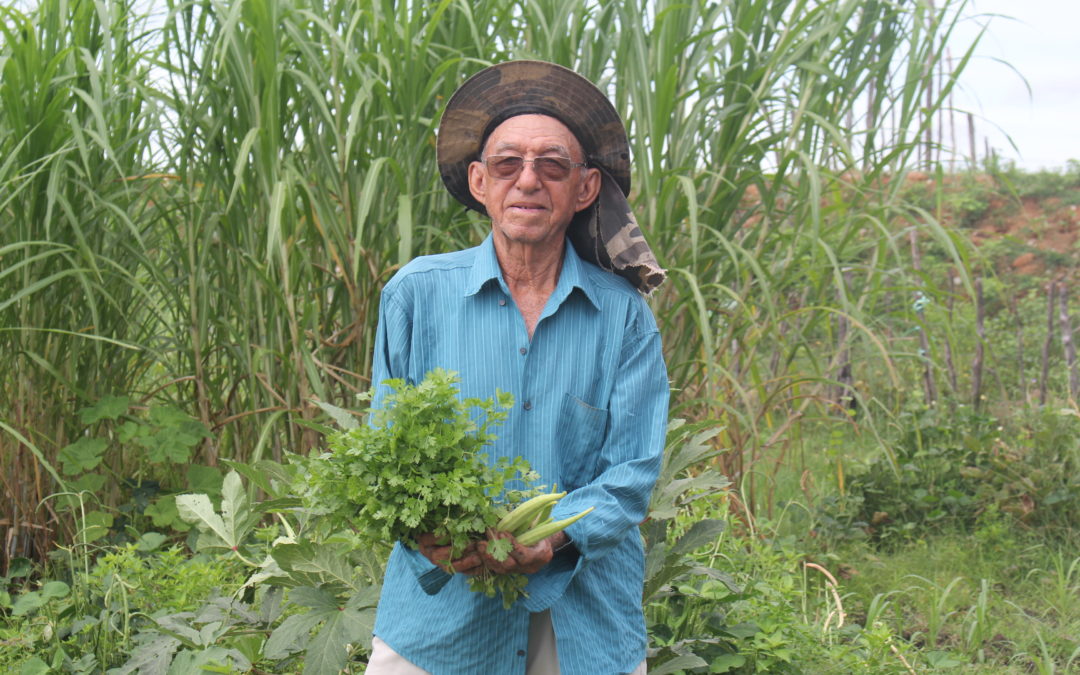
pixel 542 658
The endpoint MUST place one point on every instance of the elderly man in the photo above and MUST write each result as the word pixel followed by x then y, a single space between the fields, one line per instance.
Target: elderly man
pixel 565 329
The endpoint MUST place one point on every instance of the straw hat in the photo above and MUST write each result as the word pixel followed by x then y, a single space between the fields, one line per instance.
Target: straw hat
pixel 606 233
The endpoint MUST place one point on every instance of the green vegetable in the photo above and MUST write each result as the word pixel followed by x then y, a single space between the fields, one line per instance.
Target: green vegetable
pixel 418 467
pixel 545 530
pixel 525 513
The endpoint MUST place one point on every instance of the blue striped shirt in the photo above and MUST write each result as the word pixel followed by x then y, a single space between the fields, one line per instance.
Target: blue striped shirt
pixel 590 411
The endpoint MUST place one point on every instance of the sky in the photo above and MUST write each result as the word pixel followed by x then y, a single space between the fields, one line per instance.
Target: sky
pixel 1033 40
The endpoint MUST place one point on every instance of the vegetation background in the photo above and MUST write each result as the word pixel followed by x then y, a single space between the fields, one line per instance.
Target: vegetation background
pixel 199 202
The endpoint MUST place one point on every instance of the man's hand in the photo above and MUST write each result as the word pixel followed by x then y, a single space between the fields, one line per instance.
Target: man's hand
pixel 522 559
pixel 469 562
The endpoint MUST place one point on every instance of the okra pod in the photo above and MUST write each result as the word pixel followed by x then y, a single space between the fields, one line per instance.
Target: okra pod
pixel 523 514
pixel 541 532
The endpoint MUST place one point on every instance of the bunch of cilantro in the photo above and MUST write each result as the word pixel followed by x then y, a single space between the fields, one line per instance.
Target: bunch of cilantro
pixel 418 466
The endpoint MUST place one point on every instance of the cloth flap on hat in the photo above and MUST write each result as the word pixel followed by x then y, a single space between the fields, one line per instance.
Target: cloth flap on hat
pixel 607 235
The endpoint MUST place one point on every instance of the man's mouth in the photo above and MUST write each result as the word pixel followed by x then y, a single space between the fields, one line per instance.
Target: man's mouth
pixel 532 208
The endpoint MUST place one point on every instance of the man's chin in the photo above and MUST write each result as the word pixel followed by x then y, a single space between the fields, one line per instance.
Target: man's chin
pixel 532 235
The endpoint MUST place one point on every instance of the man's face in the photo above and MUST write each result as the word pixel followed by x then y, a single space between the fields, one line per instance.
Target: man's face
pixel 529 209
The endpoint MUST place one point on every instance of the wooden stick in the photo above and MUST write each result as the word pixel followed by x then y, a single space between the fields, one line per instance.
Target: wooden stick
pixel 1051 291
pixel 929 386
pixel 844 378
pixel 1019 346
pixel 971 140
pixel 980 331
pixel 1068 346
pixel 902 659
pixel 950 367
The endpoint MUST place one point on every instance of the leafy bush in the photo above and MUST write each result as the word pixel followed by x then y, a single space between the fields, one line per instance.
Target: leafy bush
pixel 953 464
pixel 1063 184
pixel 87 621
pixel 962 198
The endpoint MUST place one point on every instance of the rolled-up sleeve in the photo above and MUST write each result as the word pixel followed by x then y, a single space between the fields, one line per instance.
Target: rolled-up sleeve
pixel 630 457
pixel 628 464
pixel 393 338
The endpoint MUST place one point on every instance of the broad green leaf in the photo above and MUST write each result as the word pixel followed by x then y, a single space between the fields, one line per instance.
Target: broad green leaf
pixel 151 541
pixel 19 567
pixel 341 416
pixel 129 430
pixel 28 602
pixel 163 513
pixel 96 525
pixel 150 658
pixel 315 564
pixel 684 662
pixel 168 445
pixel 55 589
pixel 315 598
pixel 205 479
pixel 257 475
pixel 250 646
pixel 34 666
pixel 234 507
pixel 197 510
pixel 724 663
pixel 292 635
pixel 109 407
pixel 654 559
pixel 83 455
pixel 88 482
pixel 211 659
pixel 366 597
pixel 343 631
pixel 701 533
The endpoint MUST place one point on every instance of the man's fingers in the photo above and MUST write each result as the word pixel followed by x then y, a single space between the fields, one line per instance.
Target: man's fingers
pixel 468 564
pixel 519 553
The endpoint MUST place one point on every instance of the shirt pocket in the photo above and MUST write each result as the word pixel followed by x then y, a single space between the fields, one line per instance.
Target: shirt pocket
pixel 580 435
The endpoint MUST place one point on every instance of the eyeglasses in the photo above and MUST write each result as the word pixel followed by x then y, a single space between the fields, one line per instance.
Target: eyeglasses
pixel 507 167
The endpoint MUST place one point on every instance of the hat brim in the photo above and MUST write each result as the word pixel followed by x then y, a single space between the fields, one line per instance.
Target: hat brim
pixel 528 87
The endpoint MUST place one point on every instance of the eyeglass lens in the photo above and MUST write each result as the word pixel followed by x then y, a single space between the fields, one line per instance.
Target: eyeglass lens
pixel 548 168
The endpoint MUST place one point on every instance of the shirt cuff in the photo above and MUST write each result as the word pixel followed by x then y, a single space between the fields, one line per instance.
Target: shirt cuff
pixel 431 577
pixel 549 584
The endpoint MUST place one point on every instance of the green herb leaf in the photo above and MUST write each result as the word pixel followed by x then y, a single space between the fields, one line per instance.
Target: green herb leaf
pixel 419 467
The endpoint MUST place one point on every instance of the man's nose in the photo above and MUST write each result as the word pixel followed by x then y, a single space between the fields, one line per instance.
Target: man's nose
pixel 528 179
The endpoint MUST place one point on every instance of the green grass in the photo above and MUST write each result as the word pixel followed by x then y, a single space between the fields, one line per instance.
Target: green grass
pixel 986 603
pixel 1001 598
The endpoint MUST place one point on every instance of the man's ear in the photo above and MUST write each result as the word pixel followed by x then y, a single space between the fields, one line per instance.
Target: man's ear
pixel 588 189
pixel 477 182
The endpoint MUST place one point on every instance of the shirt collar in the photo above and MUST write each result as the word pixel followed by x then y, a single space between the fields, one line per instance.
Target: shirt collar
pixel 485 268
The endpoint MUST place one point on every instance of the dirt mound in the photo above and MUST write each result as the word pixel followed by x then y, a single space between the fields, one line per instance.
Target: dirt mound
pixel 1033 234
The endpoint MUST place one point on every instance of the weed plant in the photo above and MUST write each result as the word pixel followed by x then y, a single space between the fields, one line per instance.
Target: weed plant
pixel 86 618
pixel 955 466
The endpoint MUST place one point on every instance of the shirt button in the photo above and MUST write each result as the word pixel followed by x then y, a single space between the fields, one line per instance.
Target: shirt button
pixel 502 302
pixel 521 652
pixel 523 350
pixel 527 405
